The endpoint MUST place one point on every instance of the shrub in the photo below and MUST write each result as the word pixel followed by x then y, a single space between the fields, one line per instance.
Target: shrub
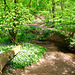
pixel 31 53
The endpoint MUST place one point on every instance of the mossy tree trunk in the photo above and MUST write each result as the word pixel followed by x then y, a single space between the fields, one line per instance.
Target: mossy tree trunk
pixel 7 56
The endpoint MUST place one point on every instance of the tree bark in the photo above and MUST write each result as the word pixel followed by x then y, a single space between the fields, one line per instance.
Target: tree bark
pixel 61 4
pixel 13 35
pixel 30 3
pixel 15 1
pixel 7 56
pixel 53 10
pixel 37 4
pixel 5 3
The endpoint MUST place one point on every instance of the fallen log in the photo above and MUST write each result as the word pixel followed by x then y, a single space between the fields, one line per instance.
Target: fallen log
pixel 7 56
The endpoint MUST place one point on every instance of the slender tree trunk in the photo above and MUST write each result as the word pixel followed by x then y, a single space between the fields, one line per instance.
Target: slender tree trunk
pixel 49 4
pixel 10 34
pixel 5 3
pixel 61 4
pixel 53 10
pixel 15 1
pixel 13 35
pixel 30 3
pixel 37 4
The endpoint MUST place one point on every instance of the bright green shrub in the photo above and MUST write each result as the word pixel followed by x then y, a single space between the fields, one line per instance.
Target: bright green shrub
pixel 31 53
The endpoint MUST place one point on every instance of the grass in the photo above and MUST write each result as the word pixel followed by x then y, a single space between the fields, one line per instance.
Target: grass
pixel 31 53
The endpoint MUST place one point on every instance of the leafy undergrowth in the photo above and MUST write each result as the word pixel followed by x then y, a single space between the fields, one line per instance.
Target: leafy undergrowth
pixel 26 33
pixel 31 53
pixel 72 43
pixel 4 48
pixel 49 32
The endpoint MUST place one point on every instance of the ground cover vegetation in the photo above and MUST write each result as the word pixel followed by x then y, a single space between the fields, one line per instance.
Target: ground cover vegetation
pixel 30 53
pixel 4 48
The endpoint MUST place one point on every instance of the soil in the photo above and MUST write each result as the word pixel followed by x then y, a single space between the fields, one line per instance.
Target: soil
pixel 54 62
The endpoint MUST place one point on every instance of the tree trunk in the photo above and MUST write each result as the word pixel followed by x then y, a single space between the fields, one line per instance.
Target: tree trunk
pixel 61 4
pixel 37 4
pixel 53 10
pixel 30 3
pixel 15 1
pixel 13 35
pixel 7 56
pixel 5 3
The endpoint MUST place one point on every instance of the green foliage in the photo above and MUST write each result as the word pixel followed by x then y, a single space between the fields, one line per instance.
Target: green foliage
pixel 58 33
pixel 27 37
pixel 23 17
pixel 63 21
pixel 5 39
pixel 42 38
pixel 47 32
pixel 8 71
pixel 44 12
pixel 5 47
pixel 31 53
pixel 33 11
pixel 72 43
pixel 45 35
pixel 25 33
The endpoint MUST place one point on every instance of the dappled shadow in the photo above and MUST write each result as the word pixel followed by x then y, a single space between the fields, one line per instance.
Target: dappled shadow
pixel 62 48
pixel 53 63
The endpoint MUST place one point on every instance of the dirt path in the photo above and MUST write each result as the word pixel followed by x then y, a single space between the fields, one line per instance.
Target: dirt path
pixel 54 61
pixel 39 24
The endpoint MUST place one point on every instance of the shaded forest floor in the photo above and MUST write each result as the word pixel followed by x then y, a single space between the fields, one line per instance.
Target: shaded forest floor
pixel 54 61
